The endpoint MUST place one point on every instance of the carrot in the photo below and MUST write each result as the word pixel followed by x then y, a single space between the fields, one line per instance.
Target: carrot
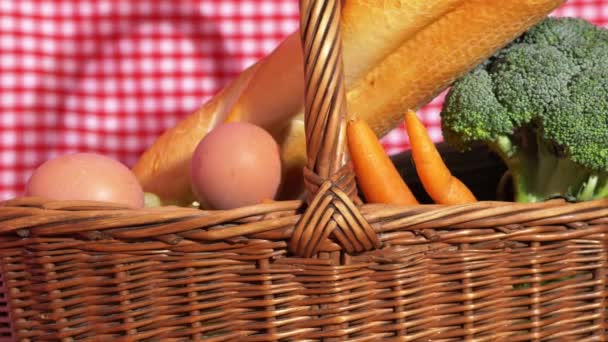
pixel 378 179
pixel 434 175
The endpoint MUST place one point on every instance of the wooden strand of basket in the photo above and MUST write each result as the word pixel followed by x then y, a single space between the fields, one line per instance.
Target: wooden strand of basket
pixel 325 99
pixel 330 181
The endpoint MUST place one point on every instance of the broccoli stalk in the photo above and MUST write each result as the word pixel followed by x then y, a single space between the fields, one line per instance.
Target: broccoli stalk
pixel 539 173
pixel 541 103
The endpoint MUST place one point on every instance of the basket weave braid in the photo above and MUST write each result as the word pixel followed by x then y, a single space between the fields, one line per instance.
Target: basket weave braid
pixel 329 176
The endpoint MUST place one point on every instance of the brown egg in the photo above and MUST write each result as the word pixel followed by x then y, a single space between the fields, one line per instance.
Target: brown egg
pixel 86 176
pixel 235 165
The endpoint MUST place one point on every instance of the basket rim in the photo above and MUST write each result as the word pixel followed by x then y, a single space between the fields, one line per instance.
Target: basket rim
pixel 39 217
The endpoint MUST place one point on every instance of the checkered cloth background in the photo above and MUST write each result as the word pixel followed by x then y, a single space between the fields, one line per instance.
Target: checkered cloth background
pixel 109 76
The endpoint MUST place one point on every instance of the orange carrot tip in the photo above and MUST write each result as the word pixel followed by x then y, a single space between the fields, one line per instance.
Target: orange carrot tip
pixel 434 175
pixel 376 175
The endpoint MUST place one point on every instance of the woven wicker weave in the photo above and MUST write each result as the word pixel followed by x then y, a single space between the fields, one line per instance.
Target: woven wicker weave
pixel 329 268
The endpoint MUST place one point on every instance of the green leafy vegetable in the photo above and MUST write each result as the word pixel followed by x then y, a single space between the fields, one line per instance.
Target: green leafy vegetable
pixel 541 103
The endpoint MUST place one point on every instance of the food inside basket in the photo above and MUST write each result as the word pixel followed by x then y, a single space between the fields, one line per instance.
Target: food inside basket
pixel 541 104
pixel 86 176
pixel 528 123
pixel 235 165
pixel 479 168
pixel 397 56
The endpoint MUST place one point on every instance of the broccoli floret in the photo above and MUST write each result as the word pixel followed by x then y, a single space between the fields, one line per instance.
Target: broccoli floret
pixel 541 103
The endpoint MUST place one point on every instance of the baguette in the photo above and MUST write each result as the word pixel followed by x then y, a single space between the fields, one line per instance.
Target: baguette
pixel 373 29
pixel 398 55
pixel 428 62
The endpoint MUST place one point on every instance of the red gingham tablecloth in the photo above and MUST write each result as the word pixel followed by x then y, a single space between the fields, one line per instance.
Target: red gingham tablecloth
pixel 109 76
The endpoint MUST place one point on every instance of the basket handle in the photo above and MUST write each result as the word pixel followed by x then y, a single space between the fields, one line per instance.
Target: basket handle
pixel 329 176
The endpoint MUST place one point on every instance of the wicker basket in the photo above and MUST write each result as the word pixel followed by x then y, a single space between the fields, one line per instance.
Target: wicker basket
pixel 328 268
